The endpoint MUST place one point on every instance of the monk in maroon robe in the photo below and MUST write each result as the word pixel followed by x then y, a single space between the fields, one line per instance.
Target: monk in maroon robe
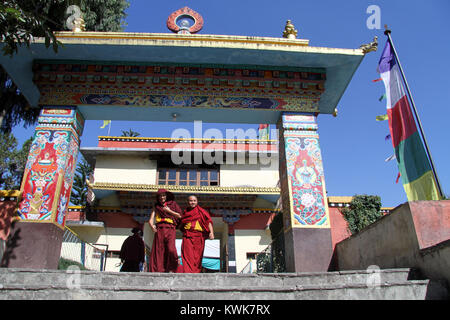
pixel 164 219
pixel 196 225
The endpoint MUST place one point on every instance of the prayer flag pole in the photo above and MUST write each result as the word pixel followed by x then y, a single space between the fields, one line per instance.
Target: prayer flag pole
pixel 387 32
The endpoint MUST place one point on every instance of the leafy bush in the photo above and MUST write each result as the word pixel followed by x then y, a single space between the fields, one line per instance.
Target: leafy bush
pixel 278 252
pixel 63 264
pixel 364 210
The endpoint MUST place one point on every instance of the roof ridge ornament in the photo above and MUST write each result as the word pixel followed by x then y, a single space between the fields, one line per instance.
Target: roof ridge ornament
pixel 369 47
pixel 75 21
pixel 289 30
pixel 185 21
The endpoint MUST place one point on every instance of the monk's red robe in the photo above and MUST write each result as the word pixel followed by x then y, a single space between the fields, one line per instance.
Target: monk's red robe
pixel 195 227
pixel 164 257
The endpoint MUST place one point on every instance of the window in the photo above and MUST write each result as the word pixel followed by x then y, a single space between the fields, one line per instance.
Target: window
pixel 112 254
pixel 188 176
pixel 252 255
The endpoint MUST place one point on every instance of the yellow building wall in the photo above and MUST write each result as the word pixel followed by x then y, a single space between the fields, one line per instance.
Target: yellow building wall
pixel 125 169
pixel 249 241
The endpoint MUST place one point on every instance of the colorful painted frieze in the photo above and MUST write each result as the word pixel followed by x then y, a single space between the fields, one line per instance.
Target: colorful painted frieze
pixel 162 85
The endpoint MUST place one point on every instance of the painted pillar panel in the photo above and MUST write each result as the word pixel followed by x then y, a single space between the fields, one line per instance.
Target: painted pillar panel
pixel 48 176
pixel 307 233
pixel 301 173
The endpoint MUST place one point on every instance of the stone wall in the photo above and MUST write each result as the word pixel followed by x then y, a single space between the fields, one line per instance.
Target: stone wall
pixel 414 235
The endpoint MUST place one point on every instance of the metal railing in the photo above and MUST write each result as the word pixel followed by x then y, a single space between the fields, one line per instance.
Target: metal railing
pixel 75 251
pixel 248 267
pixel 269 260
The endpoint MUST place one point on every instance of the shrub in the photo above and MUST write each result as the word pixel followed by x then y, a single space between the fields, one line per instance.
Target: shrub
pixel 63 264
pixel 364 210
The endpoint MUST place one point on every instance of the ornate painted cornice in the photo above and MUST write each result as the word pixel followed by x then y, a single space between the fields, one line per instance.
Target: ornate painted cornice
pixel 181 39
pixel 9 195
pixel 112 209
pixel 240 87
pixel 344 202
pixel 182 189
pixel 185 140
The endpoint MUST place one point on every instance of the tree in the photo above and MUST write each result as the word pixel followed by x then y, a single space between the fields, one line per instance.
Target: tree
pixel 130 133
pixel 278 251
pixel 21 20
pixel 78 196
pixel 12 161
pixel 364 210
pixel 14 108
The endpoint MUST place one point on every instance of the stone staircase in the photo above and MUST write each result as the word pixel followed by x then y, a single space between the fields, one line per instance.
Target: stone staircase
pixel 387 284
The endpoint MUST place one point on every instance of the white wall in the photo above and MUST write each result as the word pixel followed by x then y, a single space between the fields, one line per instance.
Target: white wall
pixel 249 241
pixel 125 169
pixel 113 237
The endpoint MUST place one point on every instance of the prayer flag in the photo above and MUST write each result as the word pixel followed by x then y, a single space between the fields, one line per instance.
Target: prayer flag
pixel 263 132
pixel 398 177
pixel 105 123
pixel 414 166
pixel 382 97
pixel 390 158
pixel 382 118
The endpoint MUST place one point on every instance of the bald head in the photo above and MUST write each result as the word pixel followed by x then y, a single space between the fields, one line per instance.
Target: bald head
pixel 192 201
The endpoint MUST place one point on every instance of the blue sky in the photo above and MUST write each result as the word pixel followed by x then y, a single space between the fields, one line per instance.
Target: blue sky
pixel 353 144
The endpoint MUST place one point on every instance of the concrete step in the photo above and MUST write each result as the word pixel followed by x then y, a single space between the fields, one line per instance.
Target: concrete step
pixel 213 280
pixel 345 285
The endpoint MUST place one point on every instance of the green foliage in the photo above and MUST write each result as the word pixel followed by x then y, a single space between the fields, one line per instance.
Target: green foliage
pixel 14 108
pixel 12 161
pixel 101 15
pixel 78 196
pixel 364 210
pixel 277 232
pixel 264 263
pixel 64 264
pixel 130 133
pixel 21 20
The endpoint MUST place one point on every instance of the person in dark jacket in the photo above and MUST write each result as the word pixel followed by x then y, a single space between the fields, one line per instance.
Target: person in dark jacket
pixel 132 253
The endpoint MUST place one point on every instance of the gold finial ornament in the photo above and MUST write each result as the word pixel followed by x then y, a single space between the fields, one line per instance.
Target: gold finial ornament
pixel 335 112
pixel 373 46
pixel 79 25
pixel 75 21
pixel 289 31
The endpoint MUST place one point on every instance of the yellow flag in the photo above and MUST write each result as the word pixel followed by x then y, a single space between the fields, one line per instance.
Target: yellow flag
pixel 382 118
pixel 105 123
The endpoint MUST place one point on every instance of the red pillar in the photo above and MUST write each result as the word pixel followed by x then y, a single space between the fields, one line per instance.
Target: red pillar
pixel 36 235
